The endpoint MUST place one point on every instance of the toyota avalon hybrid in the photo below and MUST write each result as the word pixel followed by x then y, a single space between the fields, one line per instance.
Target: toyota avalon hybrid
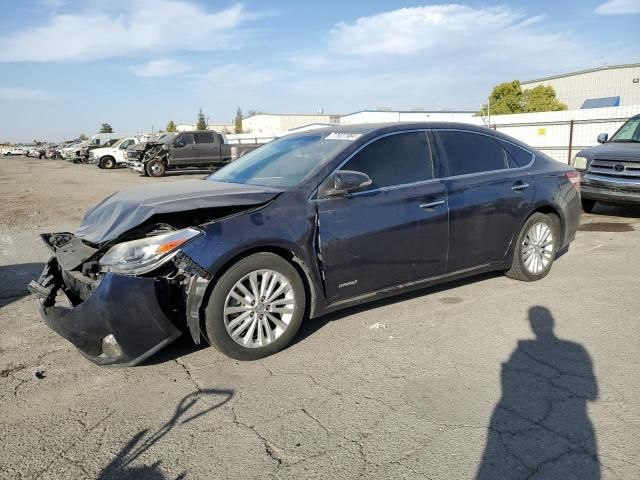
pixel 305 225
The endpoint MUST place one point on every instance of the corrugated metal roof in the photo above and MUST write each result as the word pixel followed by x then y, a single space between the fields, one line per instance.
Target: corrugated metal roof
pixel 581 72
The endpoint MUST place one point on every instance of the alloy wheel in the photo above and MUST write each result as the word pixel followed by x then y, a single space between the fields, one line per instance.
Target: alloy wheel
pixel 537 248
pixel 259 308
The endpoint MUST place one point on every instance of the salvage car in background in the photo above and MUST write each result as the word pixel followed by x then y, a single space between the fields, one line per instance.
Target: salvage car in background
pixel 611 172
pixel 112 156
pixel 198 149
pixel 15 151
pixel 305 225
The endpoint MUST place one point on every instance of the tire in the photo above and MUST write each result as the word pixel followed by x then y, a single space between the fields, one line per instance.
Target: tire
pixel 533 261
pixel 587 205
pixel 253 341
pixel 107 162
pixel 155 168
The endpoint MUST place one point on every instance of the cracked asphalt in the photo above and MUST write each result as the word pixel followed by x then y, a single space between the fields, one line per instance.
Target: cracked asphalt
pixel 485 378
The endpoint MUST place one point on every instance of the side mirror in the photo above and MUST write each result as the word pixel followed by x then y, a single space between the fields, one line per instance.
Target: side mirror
pixel 603 137
pixel 347 181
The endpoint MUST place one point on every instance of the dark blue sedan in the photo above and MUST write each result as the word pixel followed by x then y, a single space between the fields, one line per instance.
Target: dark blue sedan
pixel 307 224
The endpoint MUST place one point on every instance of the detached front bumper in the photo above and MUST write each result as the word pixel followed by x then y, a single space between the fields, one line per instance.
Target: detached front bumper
pixel 135 166
pixel 119 324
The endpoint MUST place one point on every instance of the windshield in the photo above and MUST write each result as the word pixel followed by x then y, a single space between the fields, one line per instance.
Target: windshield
pixel 285 162
pixel 629 132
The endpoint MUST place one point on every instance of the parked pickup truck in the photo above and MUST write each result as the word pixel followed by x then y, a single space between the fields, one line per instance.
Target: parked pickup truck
pixel 199 149
pixel 610 172
pixel 111 157
pixel 15 151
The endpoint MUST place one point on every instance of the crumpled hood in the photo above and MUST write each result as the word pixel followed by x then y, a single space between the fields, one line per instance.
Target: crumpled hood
pixel 613 151
pixel 130 208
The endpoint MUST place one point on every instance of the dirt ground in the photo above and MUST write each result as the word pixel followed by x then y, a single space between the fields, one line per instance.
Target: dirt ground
pixel 486 378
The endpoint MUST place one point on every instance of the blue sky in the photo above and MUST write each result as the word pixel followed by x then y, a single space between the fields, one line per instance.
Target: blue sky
pixel 68 66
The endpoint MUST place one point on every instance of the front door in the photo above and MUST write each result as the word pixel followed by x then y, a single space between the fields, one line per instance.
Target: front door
pixel 392 233
pixel 184 153
pixel 489 193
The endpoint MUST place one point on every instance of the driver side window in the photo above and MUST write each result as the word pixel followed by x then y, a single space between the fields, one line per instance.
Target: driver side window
pixel 187 139
pixel 397 159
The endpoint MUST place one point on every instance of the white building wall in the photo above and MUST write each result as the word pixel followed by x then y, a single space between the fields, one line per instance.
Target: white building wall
pixel 397 116
pixel 574 89
pixel 272 124
pixel 549 131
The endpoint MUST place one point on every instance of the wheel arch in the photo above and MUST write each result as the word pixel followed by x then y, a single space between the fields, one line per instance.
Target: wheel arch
pixel 545 208
pixel 296 262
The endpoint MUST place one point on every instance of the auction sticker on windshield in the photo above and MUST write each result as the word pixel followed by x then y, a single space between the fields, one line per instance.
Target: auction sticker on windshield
pixel 343 136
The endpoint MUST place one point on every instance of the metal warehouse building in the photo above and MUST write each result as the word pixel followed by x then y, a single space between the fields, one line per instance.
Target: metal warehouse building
pixel 274 123
pixel 609 86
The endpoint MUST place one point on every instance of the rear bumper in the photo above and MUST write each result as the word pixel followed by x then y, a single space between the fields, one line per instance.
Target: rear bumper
pixel 610 193
pixel 120 324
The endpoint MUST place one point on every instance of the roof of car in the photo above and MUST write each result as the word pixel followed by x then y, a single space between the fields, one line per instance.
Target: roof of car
pixel 365 128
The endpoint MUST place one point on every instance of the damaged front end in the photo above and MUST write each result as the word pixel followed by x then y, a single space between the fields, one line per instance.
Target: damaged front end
pixel 120 303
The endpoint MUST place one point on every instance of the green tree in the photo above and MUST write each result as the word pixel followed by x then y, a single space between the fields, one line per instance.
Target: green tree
pixel 238 120
pixel 171 126
pixel 83 137
pixel 542 99
pixel 106 128
pixel 509 97
pixel 202 121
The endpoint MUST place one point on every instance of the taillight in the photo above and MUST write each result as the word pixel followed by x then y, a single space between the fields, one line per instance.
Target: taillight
pixel 574 178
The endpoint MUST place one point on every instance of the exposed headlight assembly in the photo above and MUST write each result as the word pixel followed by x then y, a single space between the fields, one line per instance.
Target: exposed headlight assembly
pixel 579 163
pixel 141 256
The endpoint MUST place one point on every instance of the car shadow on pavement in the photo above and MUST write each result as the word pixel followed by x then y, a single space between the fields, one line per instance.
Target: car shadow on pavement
pixel 540 428
pixel 122 468
pixel 14 280
pixel 311 326
pixel 611 210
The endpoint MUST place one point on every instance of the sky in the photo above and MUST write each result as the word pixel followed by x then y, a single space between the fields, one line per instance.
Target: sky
pixel 68 66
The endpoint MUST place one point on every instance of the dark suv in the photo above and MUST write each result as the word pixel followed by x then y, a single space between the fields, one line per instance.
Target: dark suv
pixel 611 171
pixel 305 225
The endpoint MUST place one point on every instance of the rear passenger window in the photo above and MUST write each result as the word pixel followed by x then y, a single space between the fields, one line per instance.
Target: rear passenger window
pixel 204 137
pixel 467 152
pixel 394 160
pixel 516 156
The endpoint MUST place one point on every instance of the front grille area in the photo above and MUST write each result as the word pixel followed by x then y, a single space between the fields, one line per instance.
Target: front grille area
pixel 615 168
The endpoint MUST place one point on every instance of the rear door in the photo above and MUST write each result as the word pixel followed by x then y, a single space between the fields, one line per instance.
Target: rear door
pixel 207 148
pixel 392 233
pixel 489 192
pixel 185 154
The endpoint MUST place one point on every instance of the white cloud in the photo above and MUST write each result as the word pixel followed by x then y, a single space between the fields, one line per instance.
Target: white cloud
pixel 20 94
pixel 160 68
pixel 619 7
pixel 135 27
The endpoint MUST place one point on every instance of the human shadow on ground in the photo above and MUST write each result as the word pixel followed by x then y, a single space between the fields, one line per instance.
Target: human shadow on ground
pixel 122 468
pixel 540 428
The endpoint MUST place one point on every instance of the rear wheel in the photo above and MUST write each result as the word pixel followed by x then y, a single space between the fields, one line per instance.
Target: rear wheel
pixel 155 168
pixel 256 307
pixel 535 249
pixel 587 205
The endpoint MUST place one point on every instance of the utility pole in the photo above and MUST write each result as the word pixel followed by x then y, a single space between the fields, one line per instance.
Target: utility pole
pixel 489 110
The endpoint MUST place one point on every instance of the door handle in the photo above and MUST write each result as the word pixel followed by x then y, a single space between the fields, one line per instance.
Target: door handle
pixel 520 186
pixel 428 205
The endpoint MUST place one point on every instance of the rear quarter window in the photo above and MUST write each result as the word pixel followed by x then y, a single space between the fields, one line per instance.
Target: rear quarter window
pixel 516 156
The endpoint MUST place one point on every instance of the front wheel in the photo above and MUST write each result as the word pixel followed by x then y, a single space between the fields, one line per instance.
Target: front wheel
pixel 256 307
pixel 535 249
pixel 155 168
pixel 587 205
pixel 107 162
